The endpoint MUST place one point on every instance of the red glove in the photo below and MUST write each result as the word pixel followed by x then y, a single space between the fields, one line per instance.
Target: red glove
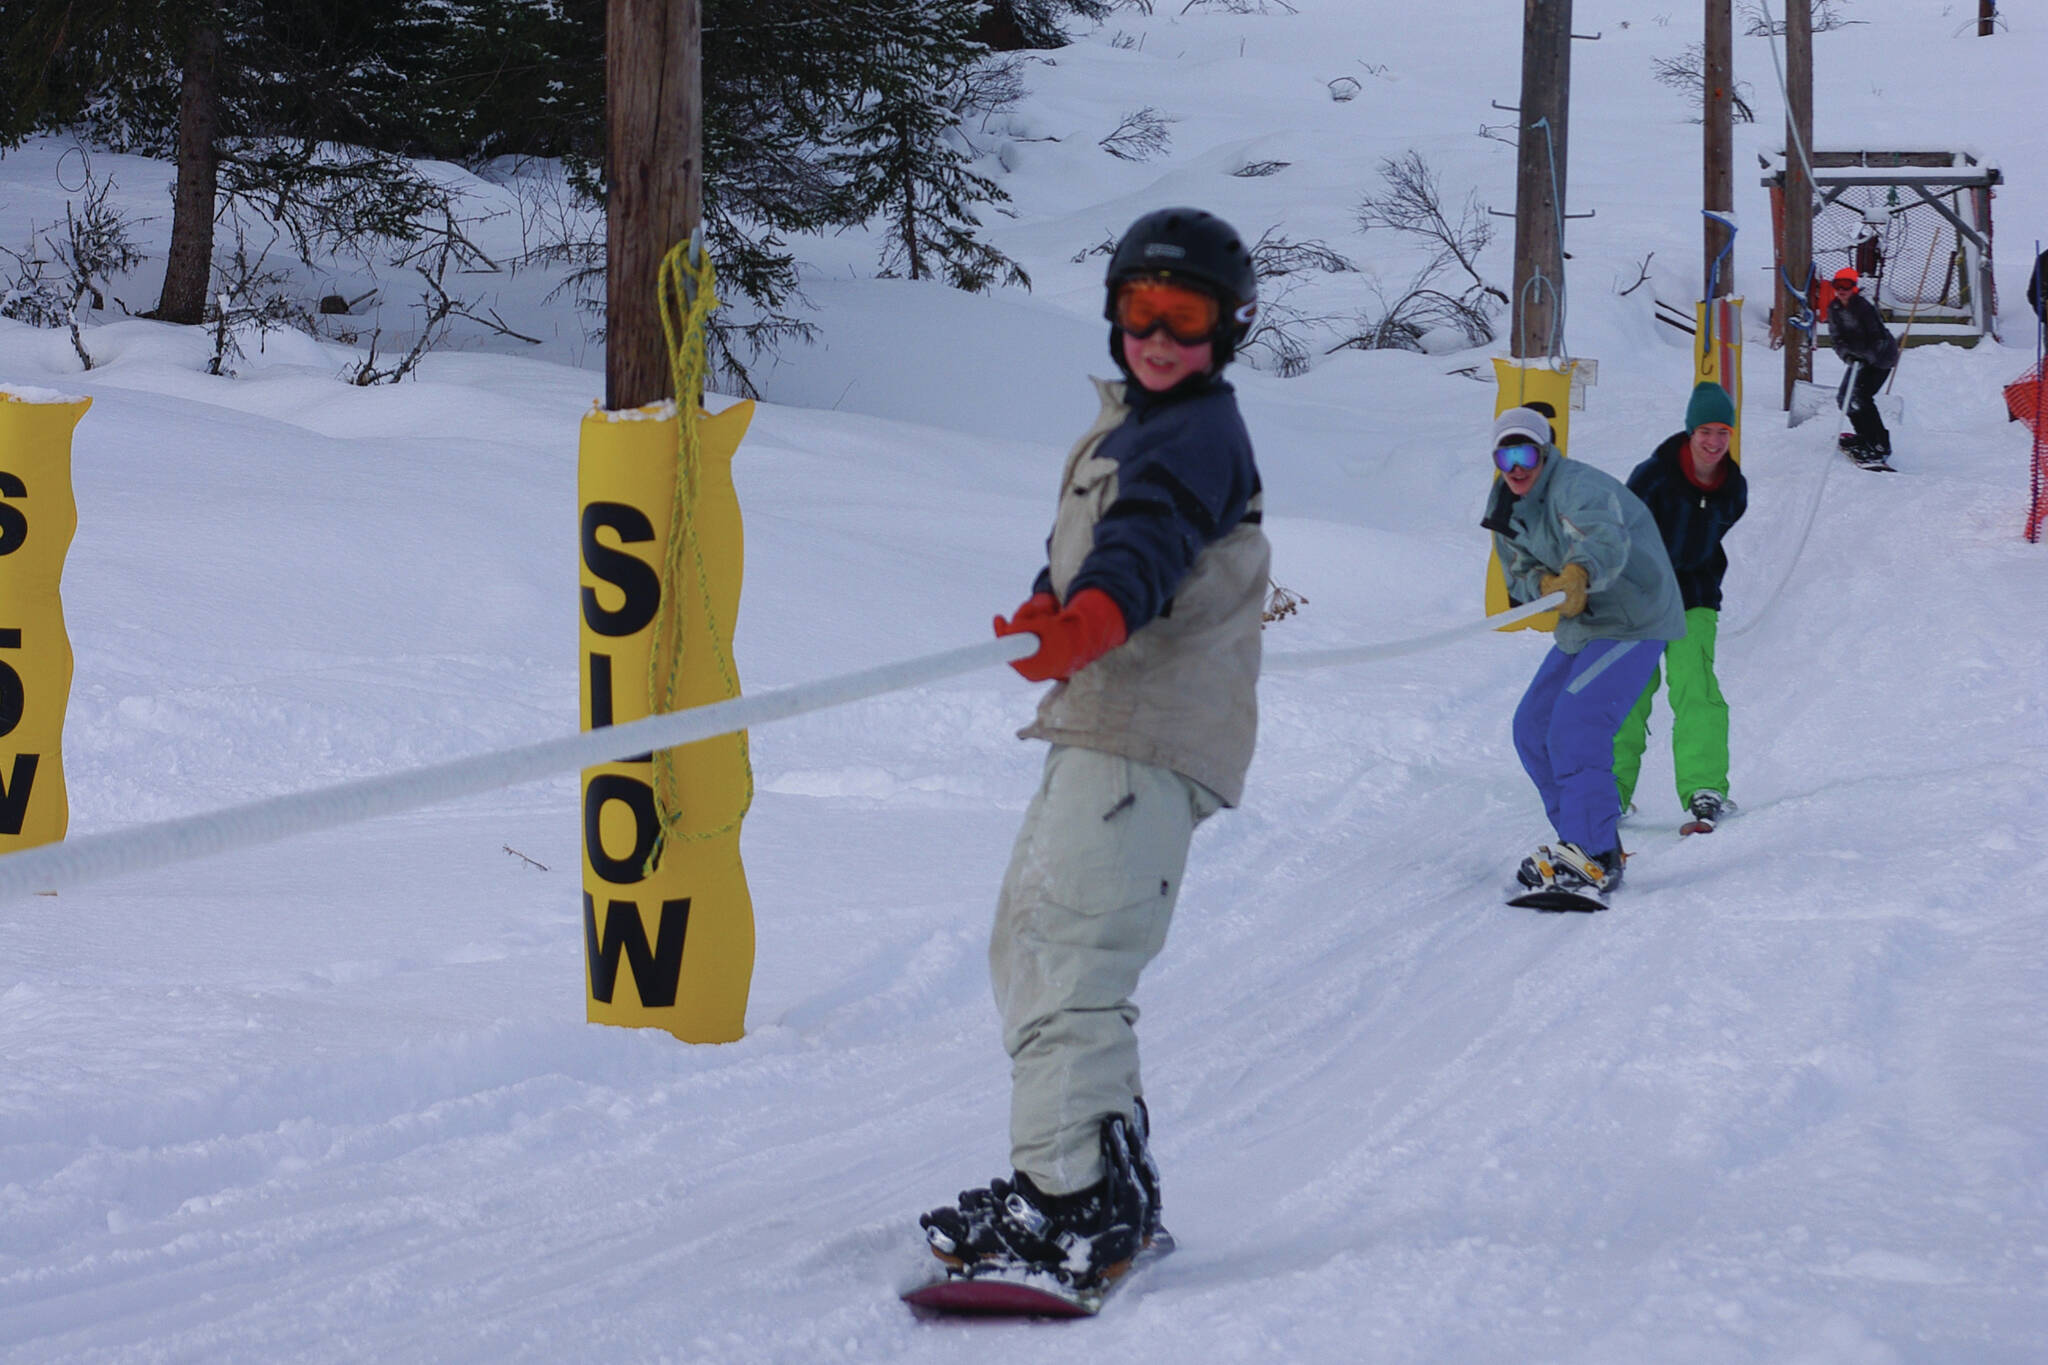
pixel 1070 638
pixel 1041 606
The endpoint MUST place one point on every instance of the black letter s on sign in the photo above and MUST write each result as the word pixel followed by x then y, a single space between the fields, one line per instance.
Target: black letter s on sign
pixel 630 575
pixel 13 525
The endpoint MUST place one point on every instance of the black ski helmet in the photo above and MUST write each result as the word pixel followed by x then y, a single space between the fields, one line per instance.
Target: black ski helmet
pixel 1193 247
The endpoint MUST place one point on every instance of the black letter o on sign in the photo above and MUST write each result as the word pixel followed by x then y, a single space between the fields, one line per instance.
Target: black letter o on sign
pixel 639 798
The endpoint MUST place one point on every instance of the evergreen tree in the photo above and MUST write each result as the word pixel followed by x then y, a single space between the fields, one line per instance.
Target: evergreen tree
pixel 488 78
pixel 1009 25
pixel 818 114
pixel 906 161
pixel 280 104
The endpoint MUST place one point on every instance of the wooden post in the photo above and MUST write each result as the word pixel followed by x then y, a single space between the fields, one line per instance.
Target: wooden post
pixel 1798 252
pixel 1718 145
pixel 1537 329
pixel 654 180
pixel 1987 13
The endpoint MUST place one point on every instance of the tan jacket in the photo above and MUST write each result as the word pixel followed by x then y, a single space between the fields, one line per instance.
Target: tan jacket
pixel 1182 692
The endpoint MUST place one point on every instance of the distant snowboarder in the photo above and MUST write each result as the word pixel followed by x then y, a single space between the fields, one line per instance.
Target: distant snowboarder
pixel 1563 526
pixel 1696 493
pixel 1860 337
pixel 1147 615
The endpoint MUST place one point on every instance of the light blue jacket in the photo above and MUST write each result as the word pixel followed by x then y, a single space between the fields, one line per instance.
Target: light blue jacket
pixel 1576 514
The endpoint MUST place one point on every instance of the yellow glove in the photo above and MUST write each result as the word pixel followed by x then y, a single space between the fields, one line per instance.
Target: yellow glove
pixel 1571 581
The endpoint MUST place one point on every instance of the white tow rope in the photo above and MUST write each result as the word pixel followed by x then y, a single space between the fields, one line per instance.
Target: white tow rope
pixel 95 857
pixel 1359 654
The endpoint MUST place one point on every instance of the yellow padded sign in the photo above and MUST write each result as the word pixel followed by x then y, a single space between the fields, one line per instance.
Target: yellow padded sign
pixel 37 519
pixel 1717 359
pixel 674 948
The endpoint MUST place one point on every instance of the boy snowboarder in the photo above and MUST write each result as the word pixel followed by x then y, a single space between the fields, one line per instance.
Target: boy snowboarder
pixel 1696 493
pixel 1147 616
pixel 1861 338
pixel 1563 526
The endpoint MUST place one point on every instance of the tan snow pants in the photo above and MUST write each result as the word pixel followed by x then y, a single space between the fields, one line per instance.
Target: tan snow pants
pixel 1085 905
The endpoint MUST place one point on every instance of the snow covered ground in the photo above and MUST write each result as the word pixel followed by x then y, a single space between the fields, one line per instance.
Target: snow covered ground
pixel 1787 1103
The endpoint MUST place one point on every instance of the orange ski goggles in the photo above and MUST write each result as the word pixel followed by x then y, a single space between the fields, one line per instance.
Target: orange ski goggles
pixel 1188 315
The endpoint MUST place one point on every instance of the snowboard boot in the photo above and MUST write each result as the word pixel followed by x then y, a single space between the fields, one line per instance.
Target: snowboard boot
pixel 1145 1168
pixel 1577 870
pixel 1082 1239
pixel 1706 810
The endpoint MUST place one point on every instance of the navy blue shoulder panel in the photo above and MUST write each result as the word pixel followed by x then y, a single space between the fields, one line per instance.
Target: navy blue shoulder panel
pixel 1185 478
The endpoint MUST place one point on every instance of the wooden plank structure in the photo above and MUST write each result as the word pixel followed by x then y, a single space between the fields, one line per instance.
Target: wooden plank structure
pixel 1863 204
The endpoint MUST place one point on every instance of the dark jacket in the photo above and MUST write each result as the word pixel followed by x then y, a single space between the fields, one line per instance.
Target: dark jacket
pixel 1693 519
pixel 2037 297
pixel 1159 507
pixel 1860 334
pixel 1185 479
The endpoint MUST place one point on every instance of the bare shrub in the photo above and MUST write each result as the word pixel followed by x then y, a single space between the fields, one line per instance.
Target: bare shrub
pixel 444 246
pixel 63 270
pixel 1407 319
pixel 1105 247
pixel 247 296
pixel 988 88
pixel 1412 203
pixel 1281 603
pixel 1275 255
pixel 1140 136
pixel 1827 16
pixel 1687 74
pixel 30 294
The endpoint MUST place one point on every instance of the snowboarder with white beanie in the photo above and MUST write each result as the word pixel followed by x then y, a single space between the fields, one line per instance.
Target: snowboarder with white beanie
pixel 1563 526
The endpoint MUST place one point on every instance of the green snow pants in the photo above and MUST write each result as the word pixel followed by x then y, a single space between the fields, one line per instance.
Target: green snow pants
pixel 1085 905
pixel 1699 716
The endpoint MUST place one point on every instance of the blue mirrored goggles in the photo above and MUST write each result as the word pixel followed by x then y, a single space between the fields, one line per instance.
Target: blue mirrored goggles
pixel 1522 455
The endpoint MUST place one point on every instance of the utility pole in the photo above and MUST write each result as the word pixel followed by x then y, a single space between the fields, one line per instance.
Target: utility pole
pixel 654 180
pixel 1718 146
pixel 1798 252
pixel 1987 15
pixel 1538 326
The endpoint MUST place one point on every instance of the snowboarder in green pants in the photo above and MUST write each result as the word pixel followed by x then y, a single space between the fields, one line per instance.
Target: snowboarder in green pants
pixel 1696 493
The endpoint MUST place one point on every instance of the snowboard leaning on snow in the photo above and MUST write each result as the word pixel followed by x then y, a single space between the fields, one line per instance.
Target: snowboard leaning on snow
pixel 1020 1292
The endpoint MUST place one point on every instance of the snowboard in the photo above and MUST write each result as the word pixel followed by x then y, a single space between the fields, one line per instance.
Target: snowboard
pixel 1556 898
pixel 1019 1292
pixel 1548 893
pixel 1876 465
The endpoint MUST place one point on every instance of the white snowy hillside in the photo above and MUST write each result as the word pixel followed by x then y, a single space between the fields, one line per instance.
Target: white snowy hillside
pixel 1785 1104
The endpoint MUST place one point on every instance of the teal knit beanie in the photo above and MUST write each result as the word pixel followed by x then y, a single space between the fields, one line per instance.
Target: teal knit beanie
pixel 1709 403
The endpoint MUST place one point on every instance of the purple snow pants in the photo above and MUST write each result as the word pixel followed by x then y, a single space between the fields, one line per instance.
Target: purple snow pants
pixel 1564 731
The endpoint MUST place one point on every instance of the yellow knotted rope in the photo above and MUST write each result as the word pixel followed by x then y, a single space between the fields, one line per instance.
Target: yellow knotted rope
pixel 686 292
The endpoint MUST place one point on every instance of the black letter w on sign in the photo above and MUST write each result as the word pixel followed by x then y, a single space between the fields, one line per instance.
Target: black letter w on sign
pixel 14 794
pixel 655 971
